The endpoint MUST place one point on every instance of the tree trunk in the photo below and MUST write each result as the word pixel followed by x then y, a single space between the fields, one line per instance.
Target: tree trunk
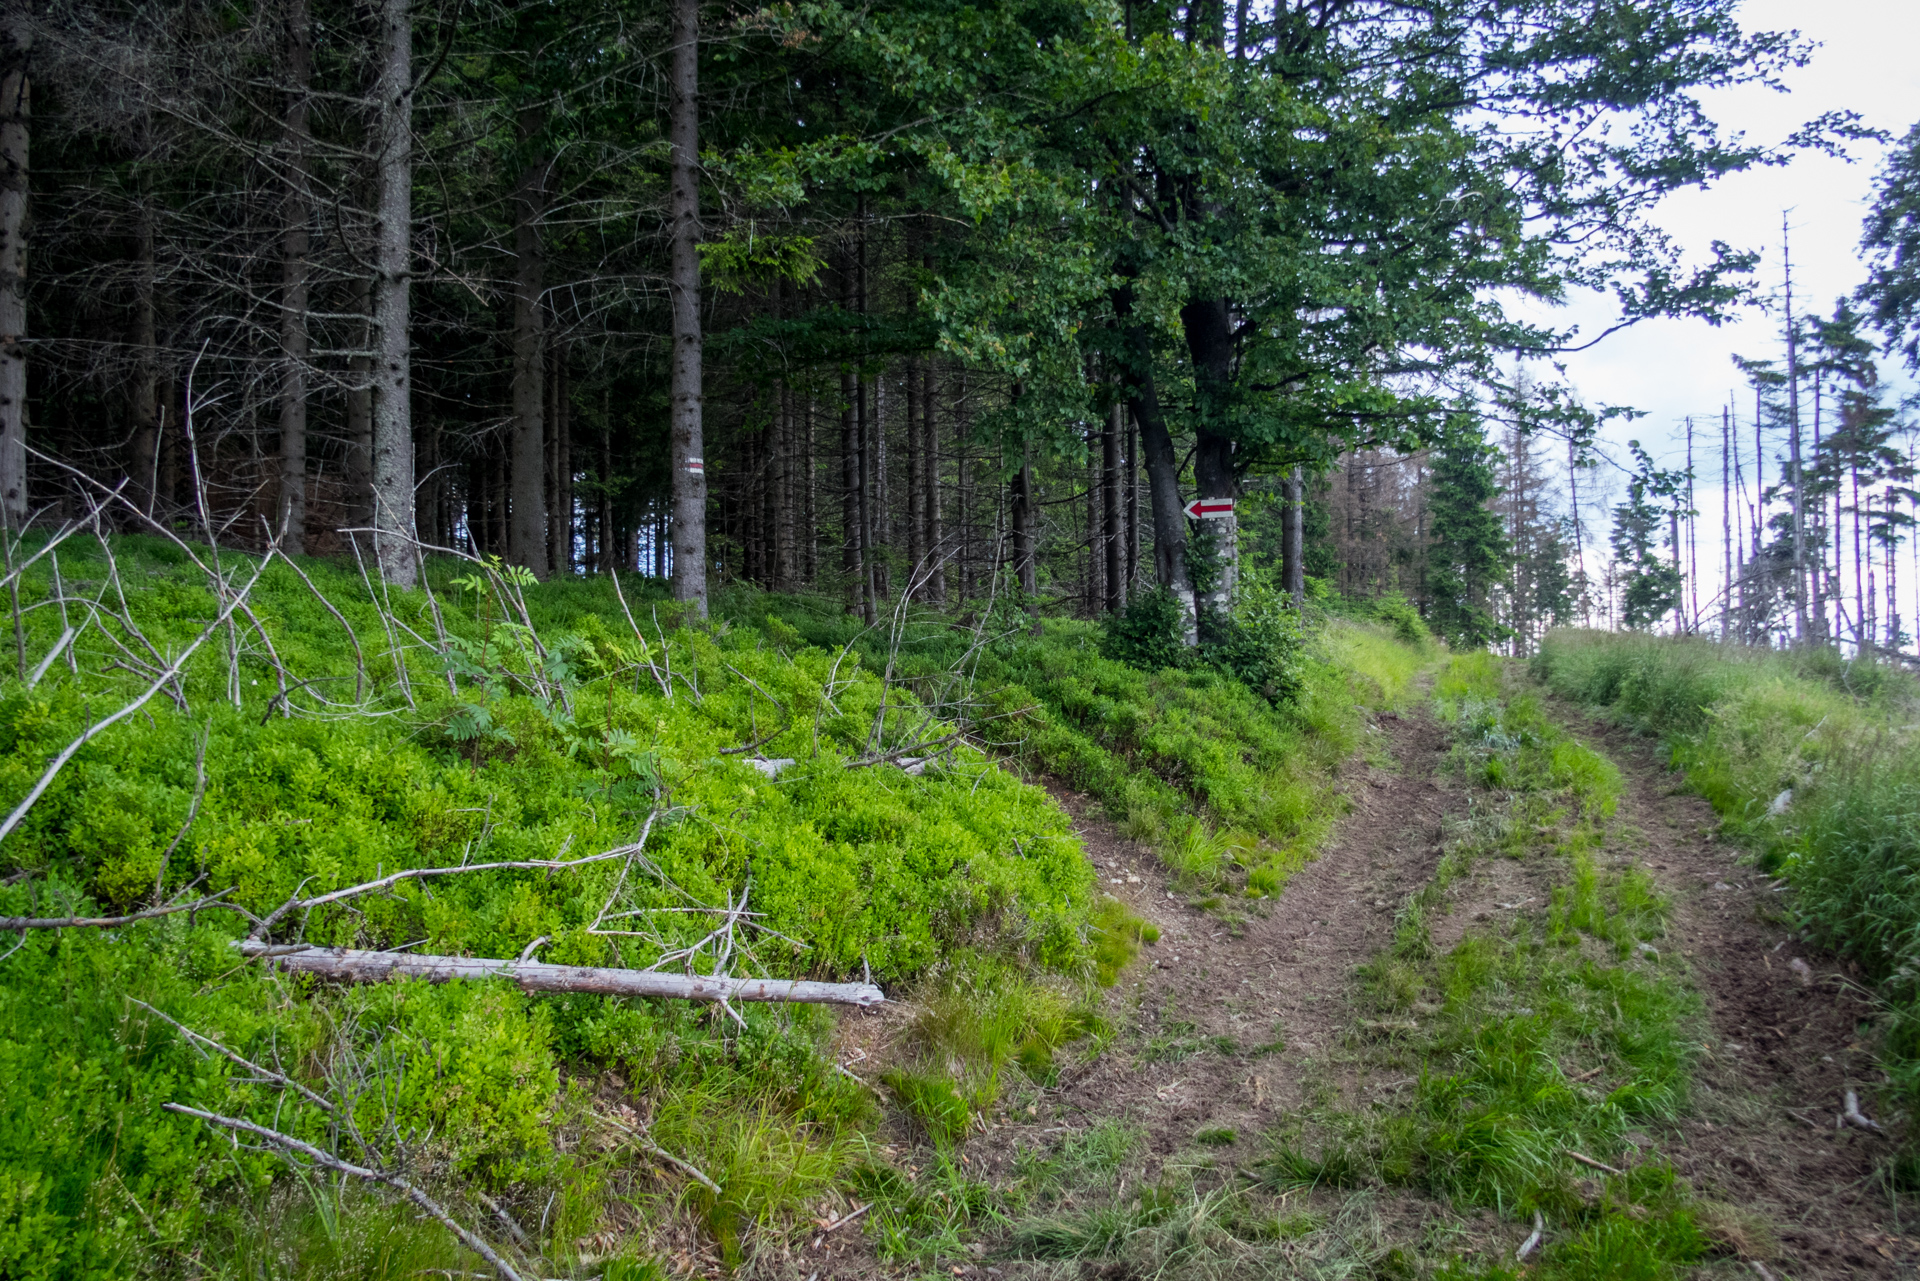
pixel 294 276
pixel 963 483
pixel 809 499
pixel 916 530
pixel 683 288
pixel 1113 552
pixel 527 529
pixel 1163 478
pixel 1133 503
pixel 603 530
pixel 852 544
pixel 1293 550
pixel 783 487
pixel 16 113
pixel 1209 333
pixel 357 467
pixel 1024 550
pixel 144 465
pixel 560 447
pixel 930 478
pixel 393 514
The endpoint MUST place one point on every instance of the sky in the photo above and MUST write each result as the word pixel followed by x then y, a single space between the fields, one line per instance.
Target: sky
pixel 1674 368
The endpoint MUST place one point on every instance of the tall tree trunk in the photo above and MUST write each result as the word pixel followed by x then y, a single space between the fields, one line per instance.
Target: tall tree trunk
pixel 963 483
pixel 851 541
pixel 916 530
pixel 1114 550
pixel 1727 523
pixel 809 498
pixel 683 287
pixel 1163 473
pixel 1024 551
pixel 1133 504
pixel 560 448
pixel 1800 623
pixel 16 114
pixel 294 276
pixel 1209 334
pixel 392 287
pixel 783 487
pixel 527 529
pixel 1293 542
pixel 603 547
pixel 357 469
pixel 144 465
pixel 930 478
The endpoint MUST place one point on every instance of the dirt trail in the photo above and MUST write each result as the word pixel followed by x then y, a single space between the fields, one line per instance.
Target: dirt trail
pixel 1272 990
pixel 1233 1024
pixel 1782 1046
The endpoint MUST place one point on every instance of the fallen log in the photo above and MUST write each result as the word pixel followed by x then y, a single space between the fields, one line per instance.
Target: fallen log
pixel 537 976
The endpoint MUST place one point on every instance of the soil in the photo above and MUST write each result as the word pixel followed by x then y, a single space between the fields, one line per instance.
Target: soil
pixel 1233 1023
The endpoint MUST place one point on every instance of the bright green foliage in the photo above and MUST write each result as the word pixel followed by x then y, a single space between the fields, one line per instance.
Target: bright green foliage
pixel 1468 551
pixel 548 748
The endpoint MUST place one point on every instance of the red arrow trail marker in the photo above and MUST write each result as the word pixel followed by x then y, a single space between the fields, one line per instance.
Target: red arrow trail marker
pixel 1205 508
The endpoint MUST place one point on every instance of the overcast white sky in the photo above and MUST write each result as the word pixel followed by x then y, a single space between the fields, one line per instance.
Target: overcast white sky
pixel 1866 63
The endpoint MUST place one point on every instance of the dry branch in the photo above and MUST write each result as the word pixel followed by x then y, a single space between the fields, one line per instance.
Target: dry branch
pixel 109 922
pixel 291 1147
pixel 370 967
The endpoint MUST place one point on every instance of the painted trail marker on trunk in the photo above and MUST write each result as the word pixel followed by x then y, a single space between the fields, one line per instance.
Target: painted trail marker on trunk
pixel 1206 508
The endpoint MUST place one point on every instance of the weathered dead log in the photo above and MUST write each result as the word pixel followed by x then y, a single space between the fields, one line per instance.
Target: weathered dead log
pixel 536 976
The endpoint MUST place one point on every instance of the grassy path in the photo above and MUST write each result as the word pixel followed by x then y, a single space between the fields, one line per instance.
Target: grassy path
pixel 1522 977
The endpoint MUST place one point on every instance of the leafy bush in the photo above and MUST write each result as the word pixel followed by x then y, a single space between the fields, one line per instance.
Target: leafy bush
pixel 1148 633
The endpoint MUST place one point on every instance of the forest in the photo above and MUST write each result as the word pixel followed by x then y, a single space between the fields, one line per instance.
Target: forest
pixel 658 640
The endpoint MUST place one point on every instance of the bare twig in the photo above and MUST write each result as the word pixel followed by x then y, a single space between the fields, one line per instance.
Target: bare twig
pixel 110 922
pixel 107 722
pixel 291 1147
pixel 652 1149
pixel 267 1075
pixel 1592 1164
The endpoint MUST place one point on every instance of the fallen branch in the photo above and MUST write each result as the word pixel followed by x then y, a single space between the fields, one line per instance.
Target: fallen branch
pixel 371 967
pixel 1857 1118
pixel 1592 1164
pixel 421 873
pixel 109 922
pixel 290 1147
pixel 842 1221
pixel 267 1076
pixel 1527 1246
pixel 659 1153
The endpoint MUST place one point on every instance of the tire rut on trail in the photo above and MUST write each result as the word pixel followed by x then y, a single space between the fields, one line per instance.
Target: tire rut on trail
pixel 1782 1044
pixel 1229 1023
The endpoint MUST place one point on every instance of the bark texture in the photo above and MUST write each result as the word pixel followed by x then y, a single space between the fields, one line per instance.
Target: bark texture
pixel 392 297
pixel 16 115
pixel 527 532
pixel 295 284
pixel 689 468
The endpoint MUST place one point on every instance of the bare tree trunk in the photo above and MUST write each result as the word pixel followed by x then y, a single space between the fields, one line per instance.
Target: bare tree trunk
pixel 1113 552
pixel 916 530
pixel 1210 346
pixel 1023 521
pixel 144 464
pixel 358 464
pixel 930 477
pixel 1726 523
pixel 1133 502
pixel 527 523
pixel 1163 486
pixel 560 451
pixel 16 114
pixel 1293 549
pixel 294 278
pixel 603 544
pixel 1800 623
pixel 683 288
pixel 783 487
pixel 809 508
pixel 392 301
pixel 963 483
pixel 852 542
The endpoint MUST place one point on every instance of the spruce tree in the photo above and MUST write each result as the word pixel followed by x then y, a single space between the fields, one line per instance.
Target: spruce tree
pixel 1469 553
pixel 1650 580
